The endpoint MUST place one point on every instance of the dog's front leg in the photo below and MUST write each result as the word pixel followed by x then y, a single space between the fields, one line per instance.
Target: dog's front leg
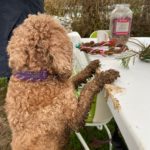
pixel 88 92
pixel 86 73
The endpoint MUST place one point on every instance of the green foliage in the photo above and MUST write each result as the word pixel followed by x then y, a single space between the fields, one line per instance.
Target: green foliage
pixel 89 134
pixel 5 133
pixel 3 82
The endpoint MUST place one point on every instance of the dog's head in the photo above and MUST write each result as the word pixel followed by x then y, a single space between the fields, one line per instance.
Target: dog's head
pixel 41 43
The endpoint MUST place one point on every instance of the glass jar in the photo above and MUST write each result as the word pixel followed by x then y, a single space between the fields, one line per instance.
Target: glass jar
pixel 120 23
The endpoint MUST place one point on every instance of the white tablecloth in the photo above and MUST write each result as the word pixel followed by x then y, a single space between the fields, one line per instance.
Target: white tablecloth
pixel 133 118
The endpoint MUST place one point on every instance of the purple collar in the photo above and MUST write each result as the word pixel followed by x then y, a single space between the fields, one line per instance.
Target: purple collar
pixel 32 76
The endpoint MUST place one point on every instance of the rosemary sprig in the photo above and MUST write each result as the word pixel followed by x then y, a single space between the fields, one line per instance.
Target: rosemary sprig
pixel 126 57
pixel 143 54
pixel 125 62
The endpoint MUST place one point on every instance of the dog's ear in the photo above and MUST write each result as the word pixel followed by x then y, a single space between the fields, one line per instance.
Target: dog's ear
pixel 61 51
pixel 18 55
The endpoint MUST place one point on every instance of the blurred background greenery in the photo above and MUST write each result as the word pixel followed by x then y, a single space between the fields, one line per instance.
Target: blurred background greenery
pixel 90 15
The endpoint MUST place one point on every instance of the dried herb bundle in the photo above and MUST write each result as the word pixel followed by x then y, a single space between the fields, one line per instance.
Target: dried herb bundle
pixel 103 48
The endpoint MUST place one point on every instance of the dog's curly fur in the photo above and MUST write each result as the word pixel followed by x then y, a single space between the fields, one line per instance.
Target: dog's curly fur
pixel 41 114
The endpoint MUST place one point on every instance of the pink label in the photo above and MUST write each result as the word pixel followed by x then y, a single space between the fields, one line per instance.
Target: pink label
pixel 121 26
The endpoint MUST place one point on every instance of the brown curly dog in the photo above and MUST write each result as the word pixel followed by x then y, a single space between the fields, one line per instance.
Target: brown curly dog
pixel 41 106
